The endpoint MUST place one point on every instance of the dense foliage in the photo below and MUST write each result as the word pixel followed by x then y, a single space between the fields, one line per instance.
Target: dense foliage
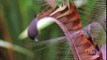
pixel 15 16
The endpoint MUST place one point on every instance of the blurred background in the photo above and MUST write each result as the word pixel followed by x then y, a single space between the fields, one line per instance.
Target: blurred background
pixel 16 15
